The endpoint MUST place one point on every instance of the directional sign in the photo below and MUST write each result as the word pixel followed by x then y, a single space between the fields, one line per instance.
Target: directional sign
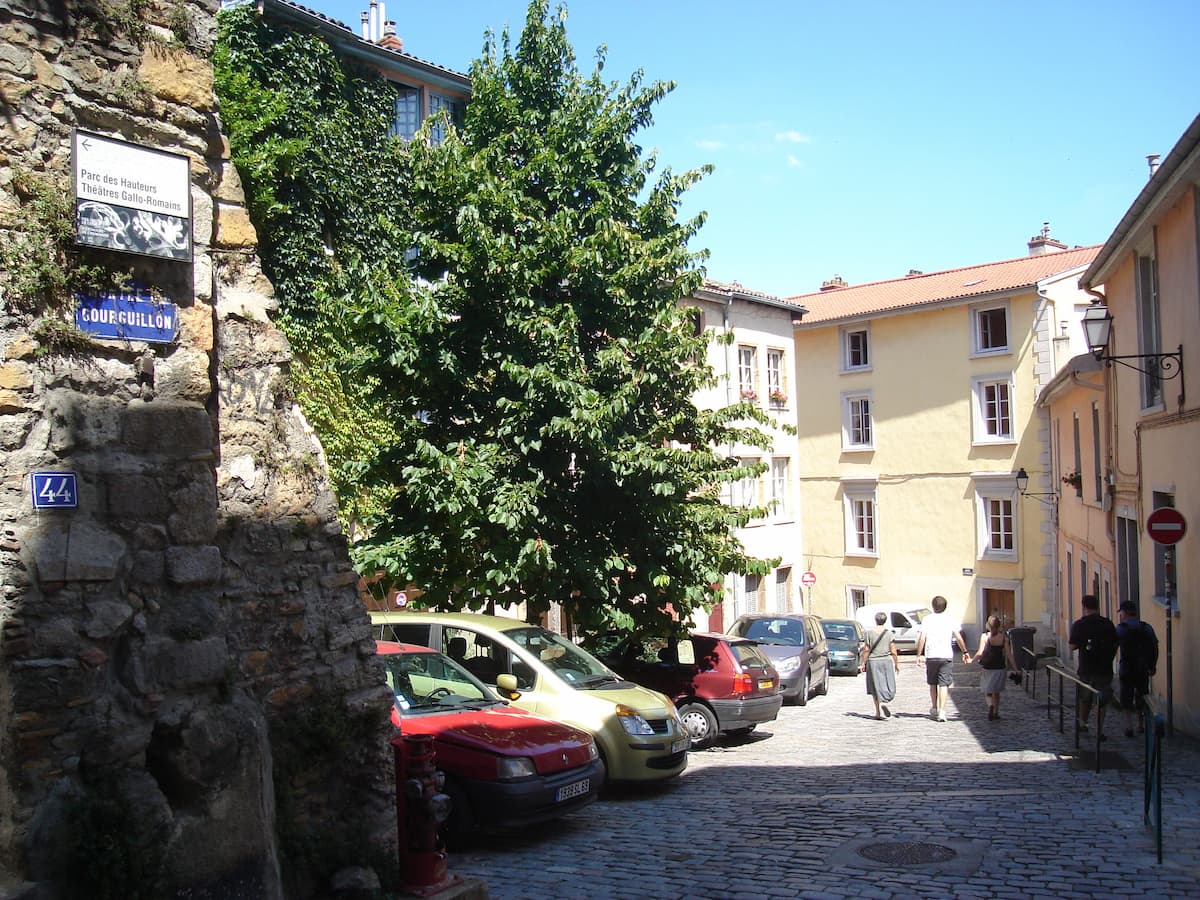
pixel 1166 526
pixel 808 579
pixel 54 490
pixel 131 198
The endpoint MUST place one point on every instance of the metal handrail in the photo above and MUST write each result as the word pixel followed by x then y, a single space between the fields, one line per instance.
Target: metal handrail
pixel 1030 671
pixel 1064 677
pixel 1153 774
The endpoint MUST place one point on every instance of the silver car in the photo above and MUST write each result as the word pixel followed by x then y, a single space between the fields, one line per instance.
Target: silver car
pixel 797 648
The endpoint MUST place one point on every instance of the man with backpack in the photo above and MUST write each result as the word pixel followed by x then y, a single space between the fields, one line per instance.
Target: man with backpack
pixel 1139 659
pixel 1095 639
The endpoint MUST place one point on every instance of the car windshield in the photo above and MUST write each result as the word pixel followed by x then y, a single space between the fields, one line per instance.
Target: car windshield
pixel 840 631
pixel 573 664
pixel 426 681
pixel 774 631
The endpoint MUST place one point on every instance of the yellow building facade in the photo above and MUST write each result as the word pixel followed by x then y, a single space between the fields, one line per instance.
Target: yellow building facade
pixel 918 407
pixel 1148 274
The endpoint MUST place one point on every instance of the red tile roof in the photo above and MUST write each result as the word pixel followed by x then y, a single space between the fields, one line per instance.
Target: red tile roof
pixel 939 287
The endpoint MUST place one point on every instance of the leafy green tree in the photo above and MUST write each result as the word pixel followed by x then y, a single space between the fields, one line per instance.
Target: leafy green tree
pixel 539 374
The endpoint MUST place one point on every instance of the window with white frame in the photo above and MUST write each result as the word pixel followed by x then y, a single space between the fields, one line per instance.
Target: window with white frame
pixel 858 432
pixel 992 397
pixel 454 109
pixel 748 373
pixel 780 506
pixel 753 592
pixel 783 589
pixel 776 384
pixel 407 116
pixel 859 502
pixel 745 490
pixel 996 524
pixel 856 348
pixel 856 598
pixel 989 328
pixel 1149 327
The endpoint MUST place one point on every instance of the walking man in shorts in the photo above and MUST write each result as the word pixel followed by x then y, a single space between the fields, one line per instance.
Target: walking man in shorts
pixel 1094 638
pixel 939 633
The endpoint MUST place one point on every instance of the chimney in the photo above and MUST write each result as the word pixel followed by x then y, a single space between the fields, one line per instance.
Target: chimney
pixel 913 273
pixel 390 40
pixel 1152 162
pixel 366 26
pixel 1042 243
pixel 374 23
pixel 836 283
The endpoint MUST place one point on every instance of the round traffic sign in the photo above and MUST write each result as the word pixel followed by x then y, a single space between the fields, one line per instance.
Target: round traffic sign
pixel 1166 525
pixel 808 579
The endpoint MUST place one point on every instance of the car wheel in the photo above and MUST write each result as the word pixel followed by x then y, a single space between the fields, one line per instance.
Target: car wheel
pixel 461 824
pixel 802 697
pixel 700 723
pixel 824 688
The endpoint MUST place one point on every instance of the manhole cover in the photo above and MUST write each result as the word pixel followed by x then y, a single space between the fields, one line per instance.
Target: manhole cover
pixel 907 853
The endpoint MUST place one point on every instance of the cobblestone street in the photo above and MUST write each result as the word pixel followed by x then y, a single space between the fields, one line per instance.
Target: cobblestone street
pixel 993 809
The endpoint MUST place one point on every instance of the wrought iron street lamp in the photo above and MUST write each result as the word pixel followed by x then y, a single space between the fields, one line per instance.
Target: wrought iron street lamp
pixel 1097 327
pixel 1023 489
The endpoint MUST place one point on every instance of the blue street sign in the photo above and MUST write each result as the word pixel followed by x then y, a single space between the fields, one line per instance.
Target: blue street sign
pixel 54 490
pixel 132 317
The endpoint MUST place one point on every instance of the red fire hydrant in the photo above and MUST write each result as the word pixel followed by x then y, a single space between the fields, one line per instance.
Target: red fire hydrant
pixel 421 808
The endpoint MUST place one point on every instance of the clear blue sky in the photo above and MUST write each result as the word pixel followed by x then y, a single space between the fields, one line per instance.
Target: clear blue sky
pixel 865 138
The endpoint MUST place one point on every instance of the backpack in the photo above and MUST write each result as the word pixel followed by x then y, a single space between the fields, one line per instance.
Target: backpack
pixel 1139 648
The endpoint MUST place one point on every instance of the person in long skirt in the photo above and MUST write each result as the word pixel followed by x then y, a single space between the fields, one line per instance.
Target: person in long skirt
pixel 996 656
pixel 881 660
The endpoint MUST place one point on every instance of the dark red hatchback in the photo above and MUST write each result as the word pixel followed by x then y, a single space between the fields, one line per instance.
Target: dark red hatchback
pixel 720 683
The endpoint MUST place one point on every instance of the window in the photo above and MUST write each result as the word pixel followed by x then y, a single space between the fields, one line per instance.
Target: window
pixel 783 589
pixel 748 373
pixel 1078 470
pixel 856 352
pixel 779 487
pixel 856 598
pixel 1099 475
pixel 745 490
pixel 857 433
pixel 753 589
pixel 861 524
pixel 1149 335
pixel 408 113
pixel 989 325
pixel 995 502
pixel 993 412
pixel 452 107
pixel 1128 571
pixel 776 386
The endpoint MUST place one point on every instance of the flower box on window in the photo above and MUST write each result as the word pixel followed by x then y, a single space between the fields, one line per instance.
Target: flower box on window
pixel 779 398
pixel 749 395
pixel 1074 479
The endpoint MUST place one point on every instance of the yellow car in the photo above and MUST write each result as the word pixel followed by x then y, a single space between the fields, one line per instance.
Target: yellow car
pixel 638 731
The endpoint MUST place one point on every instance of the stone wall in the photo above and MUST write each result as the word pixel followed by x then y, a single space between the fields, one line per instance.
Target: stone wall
pixel 188 687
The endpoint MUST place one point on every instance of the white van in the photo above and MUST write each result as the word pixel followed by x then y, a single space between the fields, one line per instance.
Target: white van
pixel 903 618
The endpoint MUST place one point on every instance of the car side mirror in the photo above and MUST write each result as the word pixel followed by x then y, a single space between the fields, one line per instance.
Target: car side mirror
pixel 508 685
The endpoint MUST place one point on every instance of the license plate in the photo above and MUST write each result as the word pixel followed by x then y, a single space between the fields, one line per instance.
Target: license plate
pixel 680 745
pixel 766 684
pixel 578 789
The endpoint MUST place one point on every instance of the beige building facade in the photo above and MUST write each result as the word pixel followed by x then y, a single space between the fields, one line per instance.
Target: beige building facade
pixel 918 408
pixel 1148 275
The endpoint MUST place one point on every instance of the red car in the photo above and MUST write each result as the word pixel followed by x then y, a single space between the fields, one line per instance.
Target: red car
pixel 720 683
pixel 504 767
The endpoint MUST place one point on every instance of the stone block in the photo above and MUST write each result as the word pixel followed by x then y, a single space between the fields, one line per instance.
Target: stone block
pixel 202 217
pixel 78 550
pixel 15 376
pixel 178 429
pixel 12 402
pixel 105 618
pixel 166 665
pixel 196 327
pixel 22 347
pixel 177 76
pixel 183 376
pixel 193 565
pixel 233 227
pixel 149 567
pixel 139 498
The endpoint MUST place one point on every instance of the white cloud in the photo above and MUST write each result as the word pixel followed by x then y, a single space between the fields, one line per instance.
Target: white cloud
pixel 710 144
pixel 794 162
pixel 792 137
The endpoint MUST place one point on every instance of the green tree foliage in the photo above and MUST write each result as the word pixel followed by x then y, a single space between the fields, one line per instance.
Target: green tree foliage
pixel 309 134
pixel 547 446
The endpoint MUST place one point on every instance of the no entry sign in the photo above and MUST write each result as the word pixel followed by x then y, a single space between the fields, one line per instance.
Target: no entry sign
pixel 1166 526
pixel 808 579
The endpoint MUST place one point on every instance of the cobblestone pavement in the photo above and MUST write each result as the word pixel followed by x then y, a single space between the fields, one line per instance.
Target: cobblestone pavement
pixel 1002 809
